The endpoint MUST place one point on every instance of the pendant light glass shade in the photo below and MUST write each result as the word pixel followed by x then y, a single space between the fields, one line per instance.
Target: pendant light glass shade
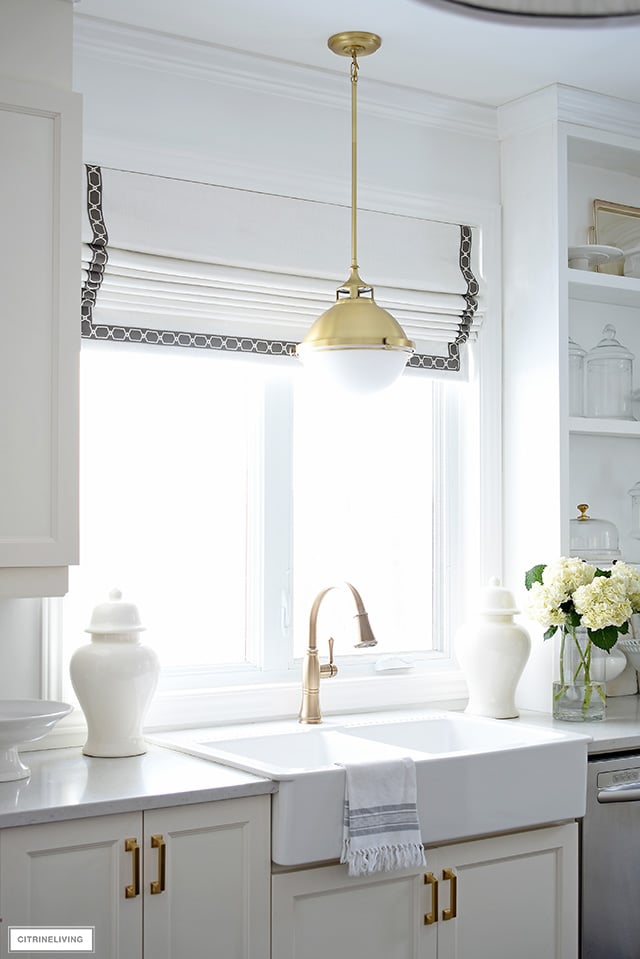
pixel 355 345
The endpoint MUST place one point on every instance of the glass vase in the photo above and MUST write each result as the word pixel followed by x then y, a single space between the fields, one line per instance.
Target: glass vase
pixel 578 694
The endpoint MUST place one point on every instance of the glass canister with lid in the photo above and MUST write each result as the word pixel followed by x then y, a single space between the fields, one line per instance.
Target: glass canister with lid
pixel 609 378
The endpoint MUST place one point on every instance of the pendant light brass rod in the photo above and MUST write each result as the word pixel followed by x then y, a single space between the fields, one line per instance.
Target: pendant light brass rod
pixel 354 160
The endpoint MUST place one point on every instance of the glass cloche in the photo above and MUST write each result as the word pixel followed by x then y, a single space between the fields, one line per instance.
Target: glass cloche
pixel 594 540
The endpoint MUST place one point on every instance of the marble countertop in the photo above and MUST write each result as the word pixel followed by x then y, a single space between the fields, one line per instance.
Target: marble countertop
pixel 620 731
pixel 64 784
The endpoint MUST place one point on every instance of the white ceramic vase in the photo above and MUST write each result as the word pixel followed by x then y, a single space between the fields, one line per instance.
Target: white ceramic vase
pixel 114 678
pixel 493 651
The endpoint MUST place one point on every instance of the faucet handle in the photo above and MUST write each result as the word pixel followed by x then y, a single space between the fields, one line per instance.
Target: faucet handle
pixel 329 669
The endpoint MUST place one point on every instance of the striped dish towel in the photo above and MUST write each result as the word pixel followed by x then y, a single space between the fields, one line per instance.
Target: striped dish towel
pixel 381 828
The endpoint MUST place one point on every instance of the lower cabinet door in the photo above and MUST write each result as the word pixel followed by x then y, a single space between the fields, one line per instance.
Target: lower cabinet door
pixel 505 897
pixel 206 880
pixel 76 873
pixel 185 882
pixel 323 914
pixel 509 896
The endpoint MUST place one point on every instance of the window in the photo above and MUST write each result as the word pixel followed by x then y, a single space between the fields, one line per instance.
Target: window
pixel 221 494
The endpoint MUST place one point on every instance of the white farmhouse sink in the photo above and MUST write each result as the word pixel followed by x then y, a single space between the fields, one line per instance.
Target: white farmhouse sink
pixel 450 733
pixel 288 755
pixel 475 776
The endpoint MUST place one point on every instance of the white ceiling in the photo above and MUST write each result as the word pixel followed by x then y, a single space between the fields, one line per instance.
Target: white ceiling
pixel 425 44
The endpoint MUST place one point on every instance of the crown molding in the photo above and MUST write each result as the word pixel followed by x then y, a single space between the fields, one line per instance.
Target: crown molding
pixel 559 103
pixel 605 113
pixel 132 46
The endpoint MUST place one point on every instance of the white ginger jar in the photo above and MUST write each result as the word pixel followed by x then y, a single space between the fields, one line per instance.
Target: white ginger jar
pixel 493 651
pixel 114 678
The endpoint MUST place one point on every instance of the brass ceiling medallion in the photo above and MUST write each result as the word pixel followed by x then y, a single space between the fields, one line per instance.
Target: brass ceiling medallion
pixel 356 344
pixel 354 42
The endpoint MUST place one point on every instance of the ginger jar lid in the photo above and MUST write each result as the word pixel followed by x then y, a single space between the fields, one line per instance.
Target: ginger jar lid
pixel 497 600
pixel 115 616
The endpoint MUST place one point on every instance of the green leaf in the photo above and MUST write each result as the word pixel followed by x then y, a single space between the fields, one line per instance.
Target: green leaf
pixel 624 629
pixel 605 638
pixel 602 572
pixel 550 632
pixel 573 618
pixel 533 575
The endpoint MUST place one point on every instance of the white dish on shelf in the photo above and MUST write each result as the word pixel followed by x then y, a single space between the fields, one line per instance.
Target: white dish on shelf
pixel 591 255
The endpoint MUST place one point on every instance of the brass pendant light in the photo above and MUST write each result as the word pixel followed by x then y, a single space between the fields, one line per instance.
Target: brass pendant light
pixel 356 344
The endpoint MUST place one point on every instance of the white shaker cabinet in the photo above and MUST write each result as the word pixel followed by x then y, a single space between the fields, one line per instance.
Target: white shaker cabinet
pixel 188 880
pixel 493 898
pixel 40 179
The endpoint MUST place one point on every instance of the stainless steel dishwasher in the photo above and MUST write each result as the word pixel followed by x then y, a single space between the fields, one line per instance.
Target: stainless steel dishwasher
pixel 610 865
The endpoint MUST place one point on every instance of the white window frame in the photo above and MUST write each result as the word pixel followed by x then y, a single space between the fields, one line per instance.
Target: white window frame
pixel 435 679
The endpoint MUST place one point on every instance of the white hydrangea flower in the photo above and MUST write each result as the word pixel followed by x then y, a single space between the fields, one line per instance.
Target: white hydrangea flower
pixel 568 574
pixel 543 605
pixel 603 602
pixel 630 580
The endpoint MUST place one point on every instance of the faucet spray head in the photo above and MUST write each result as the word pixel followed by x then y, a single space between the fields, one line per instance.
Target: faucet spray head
pixel 365 633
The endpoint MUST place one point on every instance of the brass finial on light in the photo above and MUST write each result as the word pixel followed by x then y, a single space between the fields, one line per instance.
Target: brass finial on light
pixel 356 344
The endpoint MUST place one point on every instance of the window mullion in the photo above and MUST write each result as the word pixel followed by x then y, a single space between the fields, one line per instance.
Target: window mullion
pixel 277 523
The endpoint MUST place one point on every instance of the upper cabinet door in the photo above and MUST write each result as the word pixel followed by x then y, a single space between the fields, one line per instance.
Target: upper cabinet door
pixel 40 208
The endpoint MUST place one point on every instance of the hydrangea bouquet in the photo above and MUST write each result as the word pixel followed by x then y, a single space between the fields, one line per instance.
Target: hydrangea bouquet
pixel 590 607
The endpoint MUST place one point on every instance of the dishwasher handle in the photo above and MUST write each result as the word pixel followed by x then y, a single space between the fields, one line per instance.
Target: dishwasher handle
pixel 624 792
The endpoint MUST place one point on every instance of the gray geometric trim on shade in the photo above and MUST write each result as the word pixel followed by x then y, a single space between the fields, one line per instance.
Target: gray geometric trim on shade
pixel 451 363
pixel 199 341
pixel 236 344
pixel 98 246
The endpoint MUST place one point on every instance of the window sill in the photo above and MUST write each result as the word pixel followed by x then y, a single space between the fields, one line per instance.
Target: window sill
pixel 258 703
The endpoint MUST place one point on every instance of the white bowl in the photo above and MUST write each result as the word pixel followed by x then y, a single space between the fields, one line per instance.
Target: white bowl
pixel 24 721
pixel 631 649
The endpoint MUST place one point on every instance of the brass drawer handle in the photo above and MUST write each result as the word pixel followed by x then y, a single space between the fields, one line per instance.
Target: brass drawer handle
pixel 157 886
pixel 431 917
pixel 130 892
pixel 452 911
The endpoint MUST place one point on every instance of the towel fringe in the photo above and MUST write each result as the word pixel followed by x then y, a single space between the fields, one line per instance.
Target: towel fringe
pixel 365 862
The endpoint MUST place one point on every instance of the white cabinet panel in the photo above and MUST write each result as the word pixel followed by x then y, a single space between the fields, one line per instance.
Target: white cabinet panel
pixel 216 897
pixel 73 874
pixel 320 913
pixel 514 896
pixel 40 333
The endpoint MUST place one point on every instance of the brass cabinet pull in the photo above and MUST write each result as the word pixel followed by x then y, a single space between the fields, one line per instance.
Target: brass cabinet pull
pixel 157 842
pixel 452 911
pixel 130 892
pixel 431 917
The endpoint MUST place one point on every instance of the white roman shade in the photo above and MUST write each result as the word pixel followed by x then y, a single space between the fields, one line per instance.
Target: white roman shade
pixel 190 264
